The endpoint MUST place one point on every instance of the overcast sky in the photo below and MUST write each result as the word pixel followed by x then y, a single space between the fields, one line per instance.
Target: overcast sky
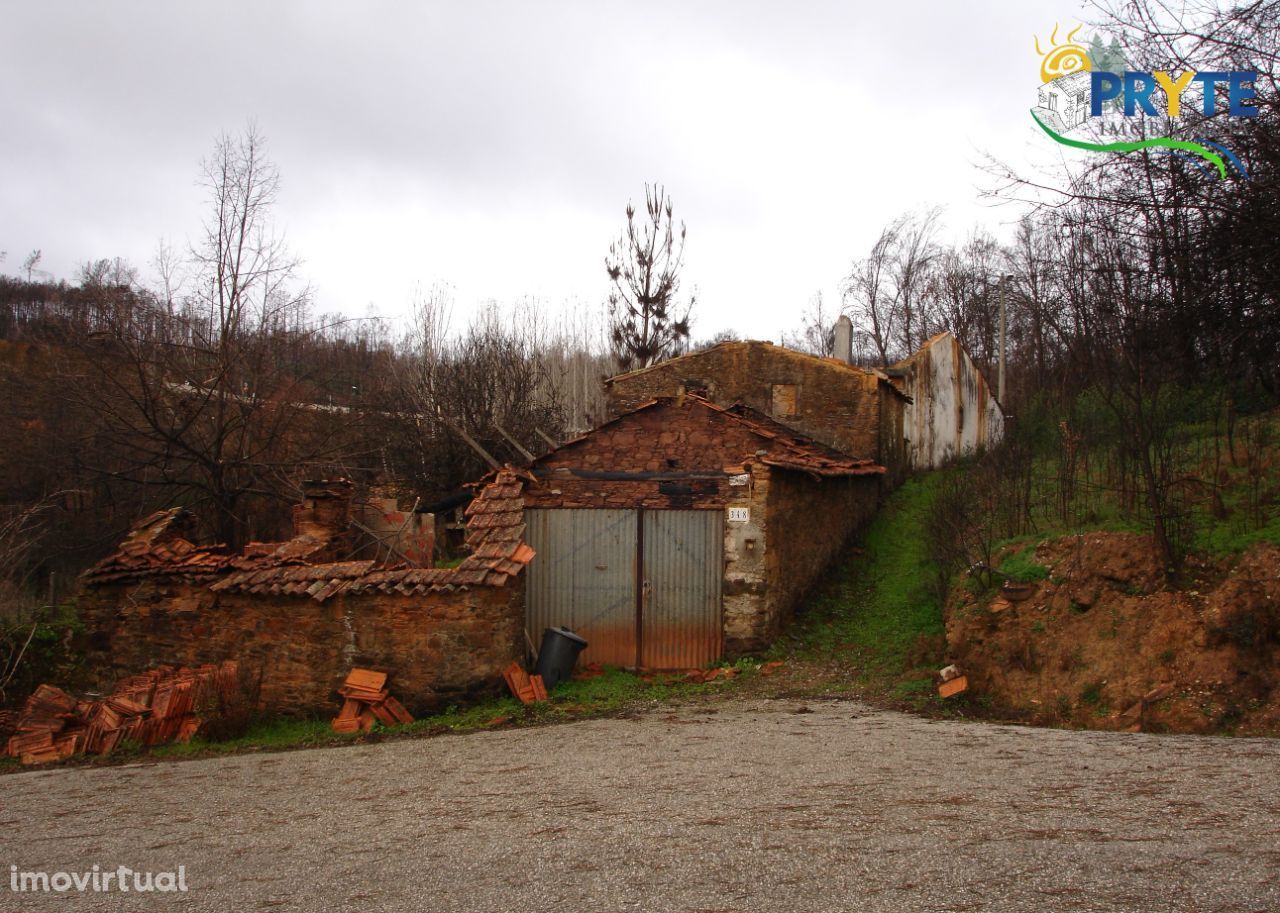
pixel 493 147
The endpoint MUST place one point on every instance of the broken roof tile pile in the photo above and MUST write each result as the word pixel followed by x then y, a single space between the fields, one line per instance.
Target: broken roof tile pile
pixel 159 706
pixel 366 701
pixel 495 532
pixel 498 552
pixel 158 547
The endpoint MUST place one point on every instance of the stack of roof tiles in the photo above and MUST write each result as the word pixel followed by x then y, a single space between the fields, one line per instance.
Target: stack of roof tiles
pixel 159 706
pixel 367 700
pixel 43 730
pixel 528 688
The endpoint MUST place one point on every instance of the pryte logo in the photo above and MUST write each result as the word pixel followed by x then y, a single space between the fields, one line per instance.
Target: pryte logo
pixel 1093 86
pixel 1135 90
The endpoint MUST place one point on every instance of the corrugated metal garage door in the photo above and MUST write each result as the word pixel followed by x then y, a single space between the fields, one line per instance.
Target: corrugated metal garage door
pixel 584 577
pixel 680 613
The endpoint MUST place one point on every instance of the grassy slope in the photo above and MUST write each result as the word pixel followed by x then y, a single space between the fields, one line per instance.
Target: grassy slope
pixel 877 624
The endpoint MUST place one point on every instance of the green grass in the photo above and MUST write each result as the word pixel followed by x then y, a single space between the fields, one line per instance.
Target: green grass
pixel 265 735
pixel 1092 694
pixel 1021 566
pixel 611 692
pixel 1232 535
pixel 882 602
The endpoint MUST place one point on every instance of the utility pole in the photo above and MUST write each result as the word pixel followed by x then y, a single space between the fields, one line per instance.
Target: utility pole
pixel 1003 325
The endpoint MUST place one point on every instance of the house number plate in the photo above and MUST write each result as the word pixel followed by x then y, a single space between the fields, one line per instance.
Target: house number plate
pixel 739 515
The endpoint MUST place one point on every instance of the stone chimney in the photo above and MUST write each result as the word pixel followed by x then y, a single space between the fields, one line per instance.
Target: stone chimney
pixel 844 339
pixel 325 511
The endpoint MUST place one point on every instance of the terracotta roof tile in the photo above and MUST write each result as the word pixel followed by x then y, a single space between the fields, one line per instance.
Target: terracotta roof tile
pixel 155 547
pixel 495 534
pixel 791 450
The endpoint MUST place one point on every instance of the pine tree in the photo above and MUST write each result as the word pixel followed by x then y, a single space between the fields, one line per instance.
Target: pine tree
pixel 1115 57
pixel 646 322
pixel 1097 52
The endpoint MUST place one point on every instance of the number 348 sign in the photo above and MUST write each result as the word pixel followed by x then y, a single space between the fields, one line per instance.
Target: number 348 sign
pixel 739 515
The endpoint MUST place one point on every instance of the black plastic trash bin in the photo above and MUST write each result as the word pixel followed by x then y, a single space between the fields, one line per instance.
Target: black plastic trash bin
pixel 560 649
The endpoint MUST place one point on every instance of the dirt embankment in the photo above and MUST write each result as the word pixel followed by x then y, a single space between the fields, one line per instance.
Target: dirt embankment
pixel 1102 642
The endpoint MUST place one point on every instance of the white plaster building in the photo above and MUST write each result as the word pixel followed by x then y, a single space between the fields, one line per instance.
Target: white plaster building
pixel 953 411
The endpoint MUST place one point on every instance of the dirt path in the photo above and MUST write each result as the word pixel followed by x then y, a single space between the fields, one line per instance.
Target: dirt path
pixel 749 806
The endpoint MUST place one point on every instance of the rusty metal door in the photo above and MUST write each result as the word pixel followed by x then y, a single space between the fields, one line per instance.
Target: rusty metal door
pixel 641 586
pixel 584 577
pixel 680 615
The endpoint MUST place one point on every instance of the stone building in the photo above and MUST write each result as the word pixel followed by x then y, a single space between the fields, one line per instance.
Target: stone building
pixel 950 411
pixel 302 613
pixel 858 411
pixel 682 532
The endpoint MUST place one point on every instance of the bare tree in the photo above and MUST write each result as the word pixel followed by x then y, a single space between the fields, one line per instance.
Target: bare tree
pixel 31 262
pixel 868 297
pixel 461 403
pixel 577 357
pixel 817 334
pixel 910 270
pixel 108 273
pixel 887 293
pixel 964 282
pixel 1035 297
pixel 647 323
pixel 215 399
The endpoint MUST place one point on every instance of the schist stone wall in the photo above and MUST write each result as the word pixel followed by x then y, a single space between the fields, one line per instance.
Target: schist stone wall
pixel 811 524
pixel 298 616
pixel 438 648
pixel 852 409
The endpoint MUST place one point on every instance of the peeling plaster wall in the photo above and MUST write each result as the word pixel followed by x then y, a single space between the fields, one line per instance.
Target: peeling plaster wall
pixel 954 412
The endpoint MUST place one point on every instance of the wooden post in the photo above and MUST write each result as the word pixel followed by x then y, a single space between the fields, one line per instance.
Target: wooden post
pixel 514 443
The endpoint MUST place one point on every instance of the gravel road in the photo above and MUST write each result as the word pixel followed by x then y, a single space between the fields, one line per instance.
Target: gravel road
pixel 769 805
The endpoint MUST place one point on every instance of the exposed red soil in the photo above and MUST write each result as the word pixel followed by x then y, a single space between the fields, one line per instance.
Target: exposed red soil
pixel 1104 643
